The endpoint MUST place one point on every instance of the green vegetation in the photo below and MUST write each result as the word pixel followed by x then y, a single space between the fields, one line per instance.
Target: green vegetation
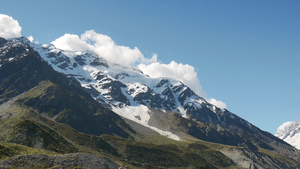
pixel 169 155
pixel 29 128
pixel 8 150
pixel 75 109
pixel 32 134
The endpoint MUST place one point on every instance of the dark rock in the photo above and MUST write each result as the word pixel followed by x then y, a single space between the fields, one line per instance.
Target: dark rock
pixel 80 60
pixel 2 42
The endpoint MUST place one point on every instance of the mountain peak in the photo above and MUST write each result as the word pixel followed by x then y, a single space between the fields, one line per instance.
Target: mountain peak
pixel 290 132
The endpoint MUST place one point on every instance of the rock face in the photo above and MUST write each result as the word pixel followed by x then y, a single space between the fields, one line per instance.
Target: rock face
pixel 252 160
pixel 290 132
pixel 79 160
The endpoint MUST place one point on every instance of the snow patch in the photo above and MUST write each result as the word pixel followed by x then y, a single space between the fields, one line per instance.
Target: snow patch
pixel 140 114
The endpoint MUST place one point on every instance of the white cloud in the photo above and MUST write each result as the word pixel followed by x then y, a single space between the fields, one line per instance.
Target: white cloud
pixel 30 38
pixel 71 42
pixel 217 103
pixel 102 45
pixel 183 72
pixel 9 28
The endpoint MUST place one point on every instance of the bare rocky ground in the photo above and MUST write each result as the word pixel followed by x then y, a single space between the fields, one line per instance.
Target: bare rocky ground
pixel 76 160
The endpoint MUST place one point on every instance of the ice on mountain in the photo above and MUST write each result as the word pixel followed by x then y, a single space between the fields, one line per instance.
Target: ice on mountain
pixel 290 132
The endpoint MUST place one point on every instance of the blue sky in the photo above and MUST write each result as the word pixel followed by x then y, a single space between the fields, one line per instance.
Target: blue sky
pixel 246 53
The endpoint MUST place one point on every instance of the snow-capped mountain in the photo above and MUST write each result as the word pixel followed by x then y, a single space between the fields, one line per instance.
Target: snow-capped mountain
pixel 290 132
pixel 134 95
pixel 131 93
pixel 167 106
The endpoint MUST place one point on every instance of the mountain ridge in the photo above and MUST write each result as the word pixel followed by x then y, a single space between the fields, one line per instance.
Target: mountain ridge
pixel 42 106
pixel 126 89
pixel 120 86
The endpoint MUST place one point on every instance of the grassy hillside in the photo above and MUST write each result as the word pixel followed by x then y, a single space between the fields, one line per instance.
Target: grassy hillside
pixel 8 150
pixel 27 127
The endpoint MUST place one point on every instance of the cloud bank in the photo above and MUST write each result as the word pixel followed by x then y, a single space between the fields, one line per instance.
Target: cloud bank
pixel 217 103
pixel 106 48
pixel 102 45
pixel 183 72
pixel 9 28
